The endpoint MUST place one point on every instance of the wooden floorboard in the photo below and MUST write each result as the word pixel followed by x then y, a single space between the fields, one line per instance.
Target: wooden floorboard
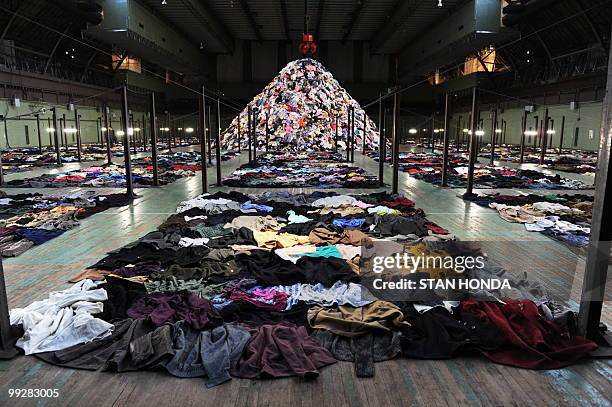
pixel 400 382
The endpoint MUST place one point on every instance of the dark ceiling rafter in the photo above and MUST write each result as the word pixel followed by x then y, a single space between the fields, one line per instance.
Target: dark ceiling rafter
pixel 588 20
pixel 396 16
pixel 88 64
pixel 212 24
pixel 546 49
pixel 320 14
pixel 354 17
pixel 250 16
pixel 432 26
pixel 283 6
pixel 10 22
pixel 54 49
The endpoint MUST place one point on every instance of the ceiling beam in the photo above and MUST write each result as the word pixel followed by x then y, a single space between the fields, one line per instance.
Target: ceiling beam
pixel 354 17
pixel 249 14
pixel 398 13
pixel 283 6
pixel 435 23
pixel 588 20
pixel 547 50
pixel 57 43
pixel 211 23
pixel 320 14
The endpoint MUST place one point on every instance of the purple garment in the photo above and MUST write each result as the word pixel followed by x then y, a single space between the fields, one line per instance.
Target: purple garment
pixel 161 308
pixel 144 268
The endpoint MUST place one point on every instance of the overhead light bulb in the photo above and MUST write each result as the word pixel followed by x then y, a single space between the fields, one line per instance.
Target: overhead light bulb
pixel 480 133
pixel 120 133
pixel 50 129
pixel 164 2
pixel 498 131
pixel 189 130
pixel 413 131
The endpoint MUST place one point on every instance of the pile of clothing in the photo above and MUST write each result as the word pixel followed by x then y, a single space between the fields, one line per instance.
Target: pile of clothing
pixel 488 176
pixel 574 161
pixel 171 167
pixel 297 111
pixel 273 170
pixel 425 162
pixel 563 217
pixel 32 219
pixel 275 285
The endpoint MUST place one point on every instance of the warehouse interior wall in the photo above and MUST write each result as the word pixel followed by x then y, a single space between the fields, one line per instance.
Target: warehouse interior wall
pixel 23 132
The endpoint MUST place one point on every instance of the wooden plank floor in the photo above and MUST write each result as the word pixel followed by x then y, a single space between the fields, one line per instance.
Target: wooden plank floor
pixel 463 381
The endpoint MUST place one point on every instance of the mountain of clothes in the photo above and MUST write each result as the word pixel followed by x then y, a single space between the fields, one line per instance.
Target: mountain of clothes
pixel 308 170
pixel 172 166
pixel 270 285
pixel 563 217
pixel 298 111
pixel 33 219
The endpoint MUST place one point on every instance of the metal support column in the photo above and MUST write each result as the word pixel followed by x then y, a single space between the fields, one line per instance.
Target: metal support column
pixel 561 135
pixel 58 154
pixel 109 157
pixel 598 251
pixel 364 133
pixel 433 140
pixel 254 128
pixel 39 135
pixel 523 135
pixel 447 119
pixel 353 138
pixel 396 139
pixel 267 130
pixel 218 143
pixel 8 334
pixel 209 136
pixel 203 124
pixel 473 148
pixel 153 124
pixel 62 134
pixel 77 125
pixel 250 131
pixel 381 142
pixel 126 143
pixel 493 134
pixel 348 134
pixel 544 138
pixel 336 137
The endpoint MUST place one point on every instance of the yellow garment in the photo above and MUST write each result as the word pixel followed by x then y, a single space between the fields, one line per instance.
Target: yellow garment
pixel 135 279
pixel 274 240
pixel 343 210
pixel 431 256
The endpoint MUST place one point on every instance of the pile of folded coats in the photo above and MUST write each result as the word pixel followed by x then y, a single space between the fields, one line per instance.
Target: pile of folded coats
pixel 298 111
pixel 171 167
pixel 563 217
pixel 32 219
pixel 306 170
pixel 272 285
pixel 487 176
